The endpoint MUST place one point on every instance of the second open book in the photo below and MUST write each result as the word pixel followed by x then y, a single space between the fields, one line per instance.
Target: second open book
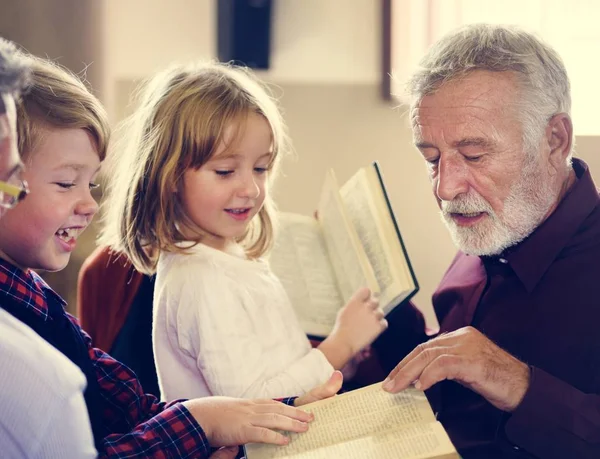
pixel 367 423
pixel 355 242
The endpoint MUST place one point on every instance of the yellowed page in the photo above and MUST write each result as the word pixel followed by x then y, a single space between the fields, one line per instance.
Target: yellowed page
pixel 421 441
pixel 349 261
pixel 367 412
pixel 367 210
pixel 299 259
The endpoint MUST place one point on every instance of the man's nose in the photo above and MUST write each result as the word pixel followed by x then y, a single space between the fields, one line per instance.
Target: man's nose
pixel 451 180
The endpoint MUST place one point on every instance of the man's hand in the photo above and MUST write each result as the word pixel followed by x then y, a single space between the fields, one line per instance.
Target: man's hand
pixel 230 421
pixel 469 358
pixel 326 390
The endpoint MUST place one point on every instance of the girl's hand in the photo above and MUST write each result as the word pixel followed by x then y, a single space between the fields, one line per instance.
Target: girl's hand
pixel 360 321
pixel 358 324
pixel 326 390
pixel 230 421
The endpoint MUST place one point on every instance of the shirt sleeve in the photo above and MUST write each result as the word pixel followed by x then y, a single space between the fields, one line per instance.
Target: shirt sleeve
pixel 146 427
pixel 555 420
pixel 216 323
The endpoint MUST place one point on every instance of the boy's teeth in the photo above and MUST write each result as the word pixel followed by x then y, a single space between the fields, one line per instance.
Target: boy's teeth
pixel 67 233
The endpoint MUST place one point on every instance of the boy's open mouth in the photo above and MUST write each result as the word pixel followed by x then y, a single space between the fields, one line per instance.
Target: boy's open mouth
pixel 69 235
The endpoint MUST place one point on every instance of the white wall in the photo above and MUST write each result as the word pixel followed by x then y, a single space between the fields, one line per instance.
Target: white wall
pixel 143 36
pixel 325 41
pixel 313 41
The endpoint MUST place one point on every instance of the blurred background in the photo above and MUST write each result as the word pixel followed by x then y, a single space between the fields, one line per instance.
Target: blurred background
pixel 337 67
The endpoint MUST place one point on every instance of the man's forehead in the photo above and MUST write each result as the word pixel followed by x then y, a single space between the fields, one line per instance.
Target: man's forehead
pixel 479 90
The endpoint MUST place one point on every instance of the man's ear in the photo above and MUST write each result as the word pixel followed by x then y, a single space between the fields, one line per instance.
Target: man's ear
pixel 559 136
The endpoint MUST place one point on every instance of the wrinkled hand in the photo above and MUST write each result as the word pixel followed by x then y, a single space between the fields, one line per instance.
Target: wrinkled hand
pixel 469 358
pixel 225 453
pixel 230 421
pixel 326 390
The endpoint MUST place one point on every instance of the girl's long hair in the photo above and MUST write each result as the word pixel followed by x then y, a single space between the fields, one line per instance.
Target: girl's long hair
pixel 179 124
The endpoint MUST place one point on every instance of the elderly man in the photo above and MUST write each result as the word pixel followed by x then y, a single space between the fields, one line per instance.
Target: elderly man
pixel 515 370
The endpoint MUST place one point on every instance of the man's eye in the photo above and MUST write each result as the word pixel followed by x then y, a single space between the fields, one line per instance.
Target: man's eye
pixel 473 159
pixel 224 173
pixel 432 161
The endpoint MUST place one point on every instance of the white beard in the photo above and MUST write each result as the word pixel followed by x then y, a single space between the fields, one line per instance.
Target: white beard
pixel 526 206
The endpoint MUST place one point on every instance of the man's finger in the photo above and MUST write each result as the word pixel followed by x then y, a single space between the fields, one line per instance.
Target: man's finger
pixel 416 351
pixel 411 367
pixel 445 366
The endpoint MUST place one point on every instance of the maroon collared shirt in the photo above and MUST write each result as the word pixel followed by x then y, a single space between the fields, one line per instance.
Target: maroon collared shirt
pixel 540 301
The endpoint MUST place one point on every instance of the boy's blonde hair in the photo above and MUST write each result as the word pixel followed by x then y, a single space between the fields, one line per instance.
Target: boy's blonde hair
pixel 57 98
pixel 180 122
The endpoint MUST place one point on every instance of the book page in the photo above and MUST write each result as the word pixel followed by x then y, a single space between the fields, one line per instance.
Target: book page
pixel 420 441
pixel 366 412
pixel 368 212
pixel 349 262
pixel 299 259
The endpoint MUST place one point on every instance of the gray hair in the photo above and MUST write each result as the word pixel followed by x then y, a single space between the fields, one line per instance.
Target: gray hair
pixel 14 70
pixel 545 88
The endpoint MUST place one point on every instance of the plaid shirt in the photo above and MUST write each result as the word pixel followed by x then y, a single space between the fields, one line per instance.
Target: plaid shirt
pixel 140 424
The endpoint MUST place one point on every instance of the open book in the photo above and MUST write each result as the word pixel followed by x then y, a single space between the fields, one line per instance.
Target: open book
pixel 367 423
pixel 354 243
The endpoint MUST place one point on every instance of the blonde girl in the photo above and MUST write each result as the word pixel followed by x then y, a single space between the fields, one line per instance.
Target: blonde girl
pixel 190 201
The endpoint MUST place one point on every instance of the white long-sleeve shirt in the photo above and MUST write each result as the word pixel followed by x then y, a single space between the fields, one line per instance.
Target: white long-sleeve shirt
pixel 224 325
pixel 42 410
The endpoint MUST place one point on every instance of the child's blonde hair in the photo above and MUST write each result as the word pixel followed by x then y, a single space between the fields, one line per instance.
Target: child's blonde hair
pixel 57 98
pixel 180 122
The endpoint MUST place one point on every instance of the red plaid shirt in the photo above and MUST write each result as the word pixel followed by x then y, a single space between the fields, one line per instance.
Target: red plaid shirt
pixel 140 424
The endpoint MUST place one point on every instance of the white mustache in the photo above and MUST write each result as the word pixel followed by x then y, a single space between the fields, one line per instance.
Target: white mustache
pixel 466 204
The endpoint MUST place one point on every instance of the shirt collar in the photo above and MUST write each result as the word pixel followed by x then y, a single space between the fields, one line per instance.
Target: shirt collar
pixel 531 258
pixel 28 288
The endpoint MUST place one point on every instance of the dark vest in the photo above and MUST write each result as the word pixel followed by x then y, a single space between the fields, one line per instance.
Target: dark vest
pixel 64 336
pixel 133 344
